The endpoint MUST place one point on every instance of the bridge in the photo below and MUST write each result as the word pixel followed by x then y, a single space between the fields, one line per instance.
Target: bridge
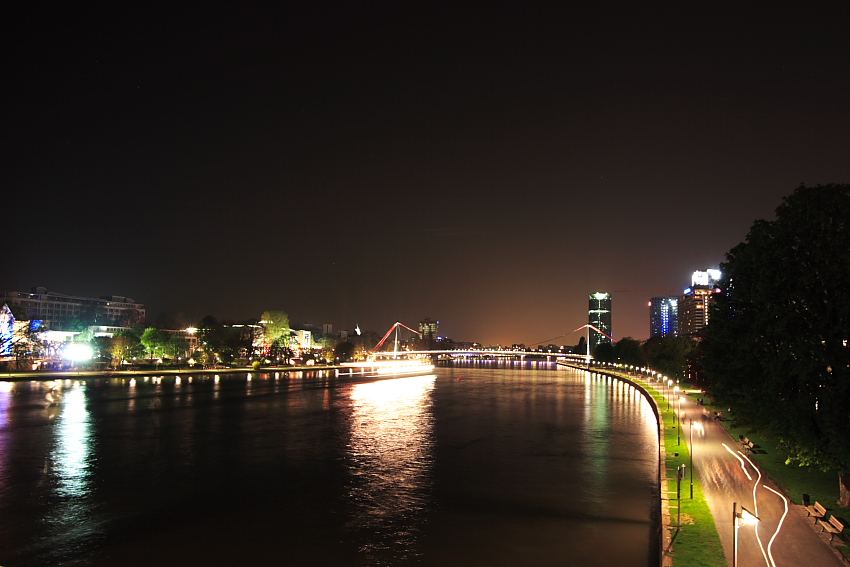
pixel 485 354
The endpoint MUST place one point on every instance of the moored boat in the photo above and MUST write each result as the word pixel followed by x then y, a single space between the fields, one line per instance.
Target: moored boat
pixel 393 363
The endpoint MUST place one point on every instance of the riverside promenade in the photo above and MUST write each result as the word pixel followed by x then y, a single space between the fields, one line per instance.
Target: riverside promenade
pixel 83 373
pixel 784 536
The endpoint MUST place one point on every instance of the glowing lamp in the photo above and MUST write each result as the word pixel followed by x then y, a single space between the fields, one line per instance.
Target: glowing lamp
pixel 78 352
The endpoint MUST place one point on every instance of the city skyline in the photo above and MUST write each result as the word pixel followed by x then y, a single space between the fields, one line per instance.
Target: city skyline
pixel 365 165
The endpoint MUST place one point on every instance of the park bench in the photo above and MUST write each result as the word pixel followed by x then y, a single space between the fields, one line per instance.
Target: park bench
pixel 833 526
pixel 818 511
pixel 748 445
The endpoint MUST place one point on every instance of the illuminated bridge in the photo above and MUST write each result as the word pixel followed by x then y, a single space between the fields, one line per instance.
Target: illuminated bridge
pixel 483 354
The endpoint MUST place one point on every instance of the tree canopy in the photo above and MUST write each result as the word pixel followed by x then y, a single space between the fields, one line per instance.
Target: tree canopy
pixel 669 354
pixel 276 326
pixel 629 351
pixel 777 348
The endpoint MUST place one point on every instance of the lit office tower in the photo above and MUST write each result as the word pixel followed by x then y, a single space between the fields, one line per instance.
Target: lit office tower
pixel 599 315
pixel 429 329
pixel 663 316
pixel 695 304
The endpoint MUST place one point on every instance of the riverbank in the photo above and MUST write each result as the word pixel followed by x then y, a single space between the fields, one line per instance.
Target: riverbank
pixel 726 483
pixel 63 374
pixel 689 535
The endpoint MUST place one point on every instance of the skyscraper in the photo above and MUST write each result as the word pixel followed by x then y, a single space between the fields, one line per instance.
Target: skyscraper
pixel 599 315
pixel 429 329
pixel 663 316
pixel 694 305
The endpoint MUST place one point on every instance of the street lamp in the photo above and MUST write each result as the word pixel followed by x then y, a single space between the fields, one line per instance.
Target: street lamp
pixel 699 426
pixel 745 516
pixel 669 385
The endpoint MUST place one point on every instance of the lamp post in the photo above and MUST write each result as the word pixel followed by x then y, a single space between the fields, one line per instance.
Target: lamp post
pixel 669 386
pixel 745 516
pixel 691 431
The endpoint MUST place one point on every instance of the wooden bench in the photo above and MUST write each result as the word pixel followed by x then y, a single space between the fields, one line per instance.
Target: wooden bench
pixel 818 511
pixel 833 526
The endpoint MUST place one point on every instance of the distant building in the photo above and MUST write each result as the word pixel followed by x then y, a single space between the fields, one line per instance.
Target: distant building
pixel 695 304
pixel 663 316
pixel 599 315
pixel 301 339
pixel 58 310
pixel 429 329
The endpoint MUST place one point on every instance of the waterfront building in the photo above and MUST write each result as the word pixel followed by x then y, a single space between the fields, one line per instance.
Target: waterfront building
pixel 57 310
pixel 599 315
pixel 663 316
pixel 695 304
pixel 301 340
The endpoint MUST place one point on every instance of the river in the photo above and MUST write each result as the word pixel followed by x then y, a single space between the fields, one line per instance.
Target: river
pixel 497 464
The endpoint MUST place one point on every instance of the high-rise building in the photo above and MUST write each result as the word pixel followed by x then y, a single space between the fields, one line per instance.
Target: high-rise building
pixel 695 304
pixel 58 310
pixel 663 316
pixel 599 315
pixel 429 329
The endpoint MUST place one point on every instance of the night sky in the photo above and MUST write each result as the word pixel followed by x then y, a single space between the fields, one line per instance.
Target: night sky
pixel 361 163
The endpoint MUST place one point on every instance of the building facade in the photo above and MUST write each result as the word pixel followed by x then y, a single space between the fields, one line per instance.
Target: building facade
pixel 429 329
pixel 663 316
pixel 599 315
pixel 695 304
pixel 58 310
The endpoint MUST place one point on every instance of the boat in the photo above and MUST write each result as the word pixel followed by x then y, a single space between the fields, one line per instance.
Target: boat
pixel 392 367
pixel 392 363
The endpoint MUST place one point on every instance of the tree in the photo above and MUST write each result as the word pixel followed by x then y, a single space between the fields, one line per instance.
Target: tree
pixel 125 345
pixel 629 351
pixel 604 352
pixel 581 347
pixel 276 330
pixel 344 350
pixel 172 320
pixel 19 311
pixel 87 316
pixel 153 339
pixel 777 352
pixel 276 326
pixel 669 354
pixel 26 345
pixel 102 348
pixel 130 318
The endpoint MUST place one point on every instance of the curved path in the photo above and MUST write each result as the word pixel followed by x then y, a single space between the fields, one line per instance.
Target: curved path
pixel 784 537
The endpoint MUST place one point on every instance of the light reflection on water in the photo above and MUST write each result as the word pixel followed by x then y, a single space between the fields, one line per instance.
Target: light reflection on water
pixel 70 457
pixel 390 455
pixel 72 520
pixel 507 466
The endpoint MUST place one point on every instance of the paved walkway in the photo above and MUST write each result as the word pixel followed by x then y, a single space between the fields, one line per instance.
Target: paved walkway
pixel 784 537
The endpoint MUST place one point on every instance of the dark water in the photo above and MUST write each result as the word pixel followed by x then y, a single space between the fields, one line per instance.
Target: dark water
pixel 508 465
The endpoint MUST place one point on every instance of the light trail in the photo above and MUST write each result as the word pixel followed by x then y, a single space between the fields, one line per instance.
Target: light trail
pixel 756 507
pixel 743 465
pixel 768 555
pixel 778 527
